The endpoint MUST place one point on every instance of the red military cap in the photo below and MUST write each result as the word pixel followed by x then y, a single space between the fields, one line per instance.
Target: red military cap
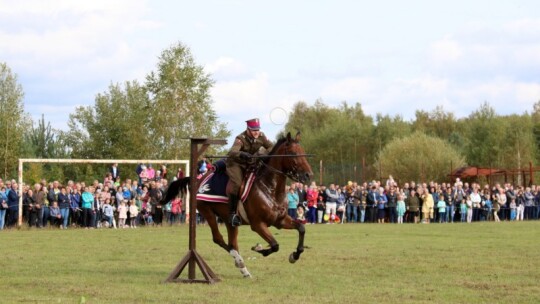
pixel 253 124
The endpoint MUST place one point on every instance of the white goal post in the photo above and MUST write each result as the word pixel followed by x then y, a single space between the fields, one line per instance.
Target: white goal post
pixel 89 161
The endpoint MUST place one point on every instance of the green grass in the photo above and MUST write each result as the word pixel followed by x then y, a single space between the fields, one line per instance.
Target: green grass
pixel 460 263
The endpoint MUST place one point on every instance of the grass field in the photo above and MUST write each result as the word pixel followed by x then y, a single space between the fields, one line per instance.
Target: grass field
pixel 459 263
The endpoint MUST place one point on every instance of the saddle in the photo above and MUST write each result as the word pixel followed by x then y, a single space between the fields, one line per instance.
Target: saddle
pixel 214 184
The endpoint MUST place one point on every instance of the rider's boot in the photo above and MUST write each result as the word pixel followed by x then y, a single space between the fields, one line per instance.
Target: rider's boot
pixel 234 219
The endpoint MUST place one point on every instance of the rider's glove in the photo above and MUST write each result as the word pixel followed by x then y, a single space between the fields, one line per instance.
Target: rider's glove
pixel 244 155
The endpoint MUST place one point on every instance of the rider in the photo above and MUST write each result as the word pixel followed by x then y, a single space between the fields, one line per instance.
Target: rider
pixel 245 145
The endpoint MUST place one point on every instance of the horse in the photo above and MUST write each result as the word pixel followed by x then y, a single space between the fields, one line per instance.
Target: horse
pixel 265 205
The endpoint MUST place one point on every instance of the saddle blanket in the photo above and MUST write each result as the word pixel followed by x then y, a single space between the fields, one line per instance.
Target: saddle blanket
pixel 213 187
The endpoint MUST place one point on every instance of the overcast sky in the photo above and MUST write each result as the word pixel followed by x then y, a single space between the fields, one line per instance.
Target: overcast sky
pixel 394 57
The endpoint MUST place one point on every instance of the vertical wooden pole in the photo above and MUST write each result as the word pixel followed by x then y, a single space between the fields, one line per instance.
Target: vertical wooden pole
pixel 320 172
pixel 192 258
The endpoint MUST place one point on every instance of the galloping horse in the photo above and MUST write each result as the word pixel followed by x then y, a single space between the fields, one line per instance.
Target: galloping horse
pixel 266 203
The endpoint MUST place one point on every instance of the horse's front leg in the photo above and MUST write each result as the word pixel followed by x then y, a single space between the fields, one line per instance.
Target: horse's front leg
pixel 289 223
pixel 265 233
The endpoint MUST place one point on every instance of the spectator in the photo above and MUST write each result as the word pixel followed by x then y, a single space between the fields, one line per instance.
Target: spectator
pixel 529 204
pixel 292 199
pixel 75 206
pixel 392 205
pixel 13 205
pixel 320 208
pixel 341 207
pixel 463 210
pixel 176 209
pixel 331 200
pixel 151 172
pixel 32 211
pixel 381 206
pixel 427 206
pixel 3 207
pixel 476 201
pixel 179 174
pixel 87 207
pixel 115 172
pixel 372 200
pixel 122 214
pixel 143 176
pixel 133 212
pixel 513 208
pixel 108 213
pixel 54 215
pixel 64 204
pixel 441 205
pixel 163 170
pixel 400 209
pixel 311 197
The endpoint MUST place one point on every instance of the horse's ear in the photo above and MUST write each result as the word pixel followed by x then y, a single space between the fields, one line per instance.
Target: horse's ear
pixel 297 137
pixel 288 137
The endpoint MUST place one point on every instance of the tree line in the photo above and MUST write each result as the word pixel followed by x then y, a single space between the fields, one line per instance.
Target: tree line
pixel 354 145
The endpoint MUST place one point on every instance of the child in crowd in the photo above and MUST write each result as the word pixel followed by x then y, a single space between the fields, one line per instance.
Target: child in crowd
pixel 469 209
pixel 300 214
pixel 441 205
pixel 122 215
pixel 133 213
pixel 463 209
pixel 513 208
pixel 400 208
pixel 55 215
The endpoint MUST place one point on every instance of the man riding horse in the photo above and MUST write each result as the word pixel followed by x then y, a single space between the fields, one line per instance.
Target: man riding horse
pixel 239 158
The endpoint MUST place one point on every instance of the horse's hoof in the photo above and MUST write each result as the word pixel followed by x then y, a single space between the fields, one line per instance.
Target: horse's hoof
pixel 257 247
pixel 245 272
pixel 292 260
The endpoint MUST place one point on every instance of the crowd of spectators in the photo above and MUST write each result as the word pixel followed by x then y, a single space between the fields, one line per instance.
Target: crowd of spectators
pixel 127 203
pixel 114 202
pixel 375 202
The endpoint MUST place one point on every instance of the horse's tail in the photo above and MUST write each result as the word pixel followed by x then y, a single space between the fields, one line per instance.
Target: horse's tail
pixel 176 187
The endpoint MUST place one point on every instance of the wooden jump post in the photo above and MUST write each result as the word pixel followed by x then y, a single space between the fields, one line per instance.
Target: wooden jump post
pixel 192 257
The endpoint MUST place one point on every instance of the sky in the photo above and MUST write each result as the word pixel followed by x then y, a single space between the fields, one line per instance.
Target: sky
pixel 392 57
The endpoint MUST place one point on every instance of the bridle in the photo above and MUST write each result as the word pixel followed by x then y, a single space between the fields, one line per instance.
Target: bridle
pixel 292 173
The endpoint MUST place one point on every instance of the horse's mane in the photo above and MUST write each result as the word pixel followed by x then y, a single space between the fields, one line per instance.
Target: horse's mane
pixel 279 142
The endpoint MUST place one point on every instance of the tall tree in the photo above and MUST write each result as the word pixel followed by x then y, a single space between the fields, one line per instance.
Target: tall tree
pixel 13 121
pixel 181 103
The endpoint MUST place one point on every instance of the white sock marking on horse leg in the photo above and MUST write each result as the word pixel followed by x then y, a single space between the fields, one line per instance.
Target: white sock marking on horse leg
pixel 245 272
pixel 238 260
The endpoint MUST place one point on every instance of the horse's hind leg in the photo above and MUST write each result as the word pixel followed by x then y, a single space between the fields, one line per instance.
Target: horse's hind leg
pixel 232 232
pixel 210 217
pixel 289 223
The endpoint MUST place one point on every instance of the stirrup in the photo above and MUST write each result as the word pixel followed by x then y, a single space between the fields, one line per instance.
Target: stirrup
pixel 235 220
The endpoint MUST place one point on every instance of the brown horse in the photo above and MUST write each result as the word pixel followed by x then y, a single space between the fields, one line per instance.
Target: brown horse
pixel 266 204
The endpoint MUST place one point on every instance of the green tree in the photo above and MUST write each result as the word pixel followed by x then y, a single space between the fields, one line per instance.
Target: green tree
pixel 116 126
pixel 418 157
pixel 438 123
pixel 181 103
pixel 484 137
pixel 13 121
pixel 42 141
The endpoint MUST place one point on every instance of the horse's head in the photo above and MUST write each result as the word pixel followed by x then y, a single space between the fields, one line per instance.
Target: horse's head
pixel 294 163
